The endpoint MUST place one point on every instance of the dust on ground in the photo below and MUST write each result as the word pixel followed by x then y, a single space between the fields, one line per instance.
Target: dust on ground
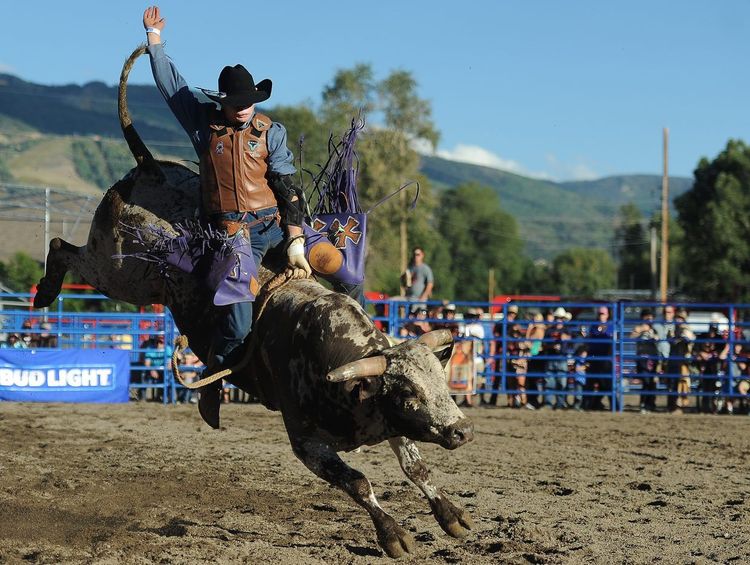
pixel 144 483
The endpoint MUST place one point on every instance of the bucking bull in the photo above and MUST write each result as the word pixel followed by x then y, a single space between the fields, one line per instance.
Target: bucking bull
pixel 314 354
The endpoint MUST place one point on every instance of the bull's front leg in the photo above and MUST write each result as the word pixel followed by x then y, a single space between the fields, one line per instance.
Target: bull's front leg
pixel 454 520
pixel 326 464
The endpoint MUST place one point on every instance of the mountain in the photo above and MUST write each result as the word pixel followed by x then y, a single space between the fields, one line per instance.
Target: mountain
pixel 554 216
pixel 69 137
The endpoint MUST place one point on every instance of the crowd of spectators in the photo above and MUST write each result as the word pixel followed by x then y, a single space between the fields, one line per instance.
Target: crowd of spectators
pixel 548 360
pixel 543 359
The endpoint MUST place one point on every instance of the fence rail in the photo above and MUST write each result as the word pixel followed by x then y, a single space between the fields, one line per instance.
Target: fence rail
pixel 578 359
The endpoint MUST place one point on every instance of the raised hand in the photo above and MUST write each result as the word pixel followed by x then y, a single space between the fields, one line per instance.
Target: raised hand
pixel 152 18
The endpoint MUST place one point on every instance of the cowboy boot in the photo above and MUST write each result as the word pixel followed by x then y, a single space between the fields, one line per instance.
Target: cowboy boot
pixel 209 402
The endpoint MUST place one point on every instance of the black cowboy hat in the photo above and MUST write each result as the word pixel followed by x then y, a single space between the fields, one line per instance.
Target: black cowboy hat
pixel 237 88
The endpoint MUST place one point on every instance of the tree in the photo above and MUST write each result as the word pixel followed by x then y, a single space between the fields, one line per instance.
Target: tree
pixel 479 236
pixel 582 272
pixel 387 161
pixel 633 250
pixel 21 272
pixel 715 217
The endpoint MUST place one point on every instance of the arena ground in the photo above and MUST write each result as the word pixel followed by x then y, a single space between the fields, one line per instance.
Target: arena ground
pixel 145 483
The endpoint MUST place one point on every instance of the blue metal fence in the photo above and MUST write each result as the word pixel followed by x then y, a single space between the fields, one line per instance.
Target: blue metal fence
pixel 595 360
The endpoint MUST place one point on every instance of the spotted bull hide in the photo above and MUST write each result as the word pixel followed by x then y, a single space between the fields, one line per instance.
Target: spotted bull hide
pixel 316 356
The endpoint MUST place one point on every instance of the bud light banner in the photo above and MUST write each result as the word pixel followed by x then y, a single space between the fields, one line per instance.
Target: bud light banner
pixel 71 375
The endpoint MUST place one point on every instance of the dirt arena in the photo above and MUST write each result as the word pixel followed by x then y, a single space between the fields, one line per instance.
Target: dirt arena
pixel 144 483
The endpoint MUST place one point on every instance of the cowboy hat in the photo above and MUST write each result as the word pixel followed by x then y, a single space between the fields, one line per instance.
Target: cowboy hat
pixel 237 88
pixel 560 312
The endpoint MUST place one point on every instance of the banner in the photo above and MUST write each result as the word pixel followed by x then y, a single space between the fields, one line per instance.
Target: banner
pixel 461 368
pixel 69 375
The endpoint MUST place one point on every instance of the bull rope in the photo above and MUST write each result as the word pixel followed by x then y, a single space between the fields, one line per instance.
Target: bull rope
pixel 267 290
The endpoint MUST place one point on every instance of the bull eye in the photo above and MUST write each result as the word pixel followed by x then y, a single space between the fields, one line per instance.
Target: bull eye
pixel 412 403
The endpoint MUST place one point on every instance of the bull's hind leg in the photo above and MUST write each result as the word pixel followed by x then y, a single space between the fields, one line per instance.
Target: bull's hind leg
pixel 454 520
pixel 326 464
pixel 61 257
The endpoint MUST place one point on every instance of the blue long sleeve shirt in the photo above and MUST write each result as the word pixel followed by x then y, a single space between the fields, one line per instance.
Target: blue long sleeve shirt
pixel 194 115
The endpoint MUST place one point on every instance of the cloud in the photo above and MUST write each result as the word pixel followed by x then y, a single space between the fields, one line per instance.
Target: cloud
pixel 571 171
pixel 475 155
pixel 7 69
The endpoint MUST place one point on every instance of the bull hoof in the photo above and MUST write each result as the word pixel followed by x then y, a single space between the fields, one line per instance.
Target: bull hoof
pixel 47 291
pixel 394 539
pixel 50 286
pixel 455 521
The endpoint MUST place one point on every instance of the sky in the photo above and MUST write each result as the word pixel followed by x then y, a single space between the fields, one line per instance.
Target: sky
pixel 563 90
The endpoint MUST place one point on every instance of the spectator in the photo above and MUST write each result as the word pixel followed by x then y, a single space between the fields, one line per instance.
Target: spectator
pixel 418 324
pixel 680 349
pixel 555 347
pixel 738 379
pixel 646 348
pixel 665 330
pixel 417 279
pixel 47 339
pixel 516 351
pixel 190 373
pixel 14 342
pixel 449 320
pixel 536 367
pixel 600 338
pixel 154 359
pixel 710 352
pixel 580 368
pixel 29 338
pixel 473 330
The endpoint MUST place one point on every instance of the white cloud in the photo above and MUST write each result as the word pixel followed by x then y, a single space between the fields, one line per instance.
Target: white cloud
pixel 571 171
pixel 7 69
pixel 475 155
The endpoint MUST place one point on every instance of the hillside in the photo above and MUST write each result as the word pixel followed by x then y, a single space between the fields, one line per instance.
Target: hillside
pixel 69 137
pixel 554 216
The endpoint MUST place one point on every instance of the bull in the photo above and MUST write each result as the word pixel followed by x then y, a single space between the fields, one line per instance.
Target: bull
pixel 314 354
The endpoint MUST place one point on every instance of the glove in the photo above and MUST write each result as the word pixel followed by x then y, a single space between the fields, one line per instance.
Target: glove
pixel 296 255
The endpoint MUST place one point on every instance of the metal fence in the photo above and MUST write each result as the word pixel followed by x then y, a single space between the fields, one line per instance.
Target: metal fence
pixel 575 360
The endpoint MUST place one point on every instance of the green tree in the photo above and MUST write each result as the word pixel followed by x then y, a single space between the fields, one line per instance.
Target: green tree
pixel 479 236
pixel 715 218
pixel 5 174
pixel 633 250
pixel 580 272
pixel 21 272
pixel 387 161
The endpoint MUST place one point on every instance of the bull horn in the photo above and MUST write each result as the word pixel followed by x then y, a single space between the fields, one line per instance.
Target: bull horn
pixel 367 367
pixel 436 338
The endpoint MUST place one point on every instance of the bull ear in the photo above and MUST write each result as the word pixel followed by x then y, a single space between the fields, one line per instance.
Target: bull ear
pixel 444 354
pixel 367 387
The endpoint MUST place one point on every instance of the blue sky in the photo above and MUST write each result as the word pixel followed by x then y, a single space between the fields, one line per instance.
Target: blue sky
pixel 554 89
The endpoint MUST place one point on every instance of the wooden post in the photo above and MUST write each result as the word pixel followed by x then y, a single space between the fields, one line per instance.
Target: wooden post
pixel 665 220
pixel 491 286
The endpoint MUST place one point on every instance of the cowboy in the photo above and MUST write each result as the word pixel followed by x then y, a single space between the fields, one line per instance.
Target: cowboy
pixel 246 173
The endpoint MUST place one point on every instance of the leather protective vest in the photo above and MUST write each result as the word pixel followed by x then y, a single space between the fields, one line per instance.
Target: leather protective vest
pixel 233 168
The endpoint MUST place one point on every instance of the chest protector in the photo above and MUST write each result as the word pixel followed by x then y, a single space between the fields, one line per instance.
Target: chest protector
pixel 233 168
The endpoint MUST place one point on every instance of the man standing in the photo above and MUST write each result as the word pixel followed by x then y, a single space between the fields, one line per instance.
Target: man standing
pixel 418 279
pixel 556 341
pixel 246 183
pixel 646 348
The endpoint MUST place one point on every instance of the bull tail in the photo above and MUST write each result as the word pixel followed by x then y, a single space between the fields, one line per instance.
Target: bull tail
pixel 139 150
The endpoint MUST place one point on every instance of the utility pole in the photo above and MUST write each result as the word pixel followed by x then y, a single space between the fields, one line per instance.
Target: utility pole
pixel 652 230
pixel 665 220
pixel 403 234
